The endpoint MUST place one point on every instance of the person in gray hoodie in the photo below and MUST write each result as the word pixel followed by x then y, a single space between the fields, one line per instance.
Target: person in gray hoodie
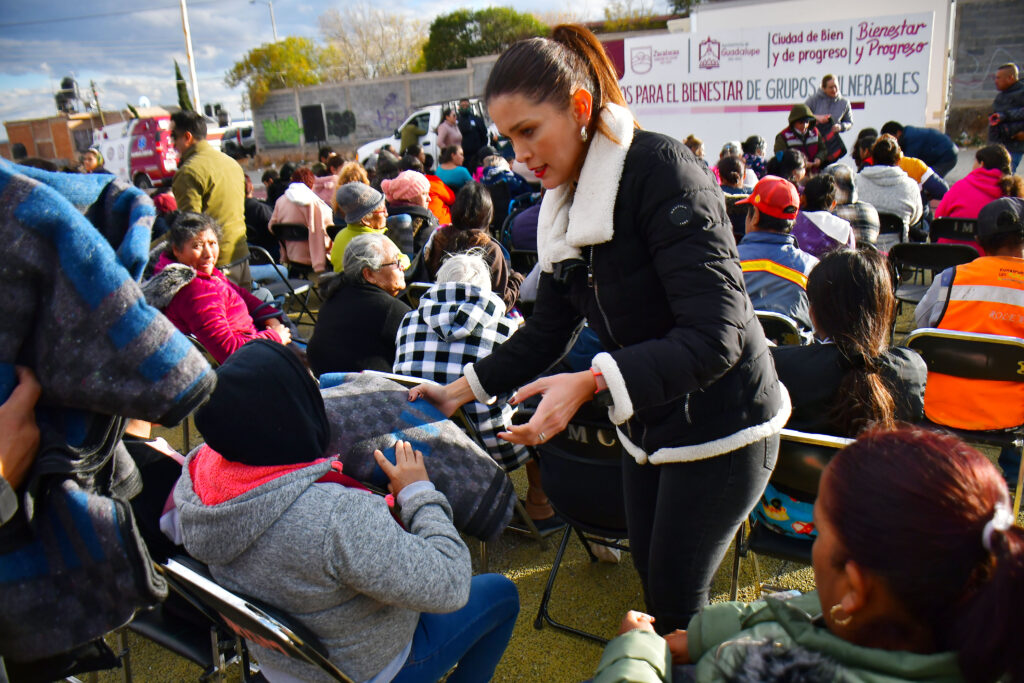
pixel 830 107
pixel 271 514
pixel 886 187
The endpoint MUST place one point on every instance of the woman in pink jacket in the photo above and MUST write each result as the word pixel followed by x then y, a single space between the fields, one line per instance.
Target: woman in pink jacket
pixel 200 300
pixel 300 205
pixel 989 179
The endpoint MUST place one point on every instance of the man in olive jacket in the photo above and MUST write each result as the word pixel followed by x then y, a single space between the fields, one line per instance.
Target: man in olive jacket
pixel 213 183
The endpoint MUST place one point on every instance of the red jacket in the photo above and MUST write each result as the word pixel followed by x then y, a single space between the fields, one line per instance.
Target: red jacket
pixel 441 199
pixel 216 311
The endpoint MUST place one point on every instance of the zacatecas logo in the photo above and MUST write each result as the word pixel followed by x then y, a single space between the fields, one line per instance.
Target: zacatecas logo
pixel 708 53
pixel 640 59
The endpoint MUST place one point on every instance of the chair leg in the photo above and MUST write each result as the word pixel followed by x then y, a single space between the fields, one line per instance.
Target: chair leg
pixel 483 557
pixel 735 587
pixel 586 545
pixel 1020 486
pixel 185 435
pixel 542 612
pixel 531 528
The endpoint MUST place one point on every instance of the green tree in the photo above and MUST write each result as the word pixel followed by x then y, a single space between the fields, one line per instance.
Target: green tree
pixel 459 35
pixel 184 101
pixel 682 7
pixel 288 63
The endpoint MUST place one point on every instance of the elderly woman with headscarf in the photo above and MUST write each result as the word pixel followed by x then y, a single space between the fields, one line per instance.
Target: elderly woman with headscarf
pixel 409 193
pixel 359 320
pixel 264 504
pixel 200 300
pixel 300 205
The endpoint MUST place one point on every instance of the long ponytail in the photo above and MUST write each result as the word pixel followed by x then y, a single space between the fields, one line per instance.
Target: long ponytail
pixel 851 297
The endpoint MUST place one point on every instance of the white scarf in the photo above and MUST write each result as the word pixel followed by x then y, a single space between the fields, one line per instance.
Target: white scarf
pixel 567 223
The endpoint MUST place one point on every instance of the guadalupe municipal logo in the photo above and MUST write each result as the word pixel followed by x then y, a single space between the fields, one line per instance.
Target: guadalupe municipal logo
pixel 640 59
pixel 708 53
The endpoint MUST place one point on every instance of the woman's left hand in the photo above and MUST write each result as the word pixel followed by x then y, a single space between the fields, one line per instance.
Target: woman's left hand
pixel 836 128
pixel 562 397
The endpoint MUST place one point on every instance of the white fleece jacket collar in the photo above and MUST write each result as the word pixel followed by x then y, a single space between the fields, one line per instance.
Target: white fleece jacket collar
pixel 301 194
pixel 567 223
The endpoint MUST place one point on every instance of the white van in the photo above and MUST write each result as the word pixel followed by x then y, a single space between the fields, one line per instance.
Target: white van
pixel 428 118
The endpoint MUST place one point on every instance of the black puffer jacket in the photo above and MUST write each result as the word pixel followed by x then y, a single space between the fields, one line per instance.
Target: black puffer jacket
pixel 668 302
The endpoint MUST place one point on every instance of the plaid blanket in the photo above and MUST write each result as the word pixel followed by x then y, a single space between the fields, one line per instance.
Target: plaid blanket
pixel 456 324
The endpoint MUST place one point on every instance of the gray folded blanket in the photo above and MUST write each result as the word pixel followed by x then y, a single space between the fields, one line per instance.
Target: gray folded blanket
pixel 368 412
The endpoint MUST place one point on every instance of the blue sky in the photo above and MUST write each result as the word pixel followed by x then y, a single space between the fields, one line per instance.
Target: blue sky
pixel 128 52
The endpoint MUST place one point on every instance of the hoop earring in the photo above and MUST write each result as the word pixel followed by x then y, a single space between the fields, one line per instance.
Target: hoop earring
pixel 583 133
pixel 841 622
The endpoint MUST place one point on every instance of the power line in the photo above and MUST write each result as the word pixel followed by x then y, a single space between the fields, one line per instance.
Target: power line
pixel 101 15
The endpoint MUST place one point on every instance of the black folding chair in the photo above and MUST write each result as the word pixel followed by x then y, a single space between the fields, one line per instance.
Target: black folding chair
pixel 916 259
pixel 780 328
pixel 414 291
pixel 802 459
pixel 581 470
pixel 523 260
pixel 500 199
pixel 891 224
pixel 970 355
pixel 292 289
pixel 959 229
pixel 248 618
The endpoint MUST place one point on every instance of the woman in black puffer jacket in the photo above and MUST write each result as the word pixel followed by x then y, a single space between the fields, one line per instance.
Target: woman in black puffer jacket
pixel 634 237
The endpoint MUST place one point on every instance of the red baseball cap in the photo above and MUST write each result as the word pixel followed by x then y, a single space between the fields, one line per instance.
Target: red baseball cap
pixel 774 196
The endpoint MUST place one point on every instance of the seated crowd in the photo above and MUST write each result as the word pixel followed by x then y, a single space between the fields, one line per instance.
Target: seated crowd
pixel 416 278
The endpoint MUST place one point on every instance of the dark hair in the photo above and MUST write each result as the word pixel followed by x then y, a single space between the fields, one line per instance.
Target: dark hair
pixel 911 506
pixel 187 226
pixel 730 170
pixel 189 122
pixel 551 69
pixel 786 163
pixel 771 223
pixel 410 162
pixel 303 175
pixel 248 183
pixel 387 167
pixel 428 162
pixel 334 163
pixel 414 150
pixel 893 128
pixel 996 157
pixel 36 162
pixel 325 152
pixel 886 151
pixel 752 144
pixel 852 303
pixel 268 177
pixel 825 79
pixel 448 152
pixel 472 208
pixel 769 660
pixel 862 146
pixel 820 192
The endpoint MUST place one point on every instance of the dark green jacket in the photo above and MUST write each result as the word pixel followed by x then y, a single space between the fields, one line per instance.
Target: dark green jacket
pixel 213 183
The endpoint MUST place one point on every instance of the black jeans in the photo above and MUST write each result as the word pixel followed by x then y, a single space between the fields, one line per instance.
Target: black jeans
pixel 681 518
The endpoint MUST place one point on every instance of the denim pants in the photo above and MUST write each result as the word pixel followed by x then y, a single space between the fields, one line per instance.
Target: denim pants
pixel 474 637
pixel 681 519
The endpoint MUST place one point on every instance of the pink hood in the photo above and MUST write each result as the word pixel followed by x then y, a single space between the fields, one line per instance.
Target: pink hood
pixel 967 196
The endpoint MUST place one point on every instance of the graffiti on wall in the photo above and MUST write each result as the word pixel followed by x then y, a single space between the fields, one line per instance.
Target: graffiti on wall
pixel 284 131
pixel 391 114
pixel 341 124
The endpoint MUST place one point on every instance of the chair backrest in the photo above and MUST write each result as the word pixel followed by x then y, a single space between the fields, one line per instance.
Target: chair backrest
pixel 500 198
pixel 933 257
pixel 969 355
pixel 249 618
pixel 523 260
pixel 802 459
pixel 290 232
pixel 581 470
pixel 890 224
pixel 414 291
pixel 779 328
pixel 960 229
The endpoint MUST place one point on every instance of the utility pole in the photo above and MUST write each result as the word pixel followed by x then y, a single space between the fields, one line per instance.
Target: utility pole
pixel 273 22
pixel 96 99
pixel 191 59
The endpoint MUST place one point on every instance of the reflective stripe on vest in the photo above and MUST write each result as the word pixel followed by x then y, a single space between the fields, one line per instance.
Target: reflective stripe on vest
pixel 776 269
pixel 986 296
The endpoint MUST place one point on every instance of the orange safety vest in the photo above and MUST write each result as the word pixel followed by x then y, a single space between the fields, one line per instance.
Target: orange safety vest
pixel 985 296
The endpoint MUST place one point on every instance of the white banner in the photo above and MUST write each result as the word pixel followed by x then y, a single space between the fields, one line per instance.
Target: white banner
pixel 728 85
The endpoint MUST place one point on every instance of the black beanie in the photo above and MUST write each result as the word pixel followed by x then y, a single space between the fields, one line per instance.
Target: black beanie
pixel 266 409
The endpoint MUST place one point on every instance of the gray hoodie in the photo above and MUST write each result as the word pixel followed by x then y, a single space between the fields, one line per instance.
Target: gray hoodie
pixel 334 558
pixel 890 190
pixel 836 107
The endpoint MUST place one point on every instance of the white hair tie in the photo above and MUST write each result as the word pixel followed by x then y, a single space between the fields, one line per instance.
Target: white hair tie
pixel 1002 519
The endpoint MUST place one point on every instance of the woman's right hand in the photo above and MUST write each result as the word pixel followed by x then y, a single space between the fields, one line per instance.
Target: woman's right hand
pixel 282 331
pixel 447 397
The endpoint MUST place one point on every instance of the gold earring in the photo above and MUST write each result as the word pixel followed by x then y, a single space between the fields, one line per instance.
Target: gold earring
pixel 583 133
pixel 841 622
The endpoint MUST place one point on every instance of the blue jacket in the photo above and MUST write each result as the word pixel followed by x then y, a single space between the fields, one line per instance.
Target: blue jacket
pixel 927 144
pixel 775 271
